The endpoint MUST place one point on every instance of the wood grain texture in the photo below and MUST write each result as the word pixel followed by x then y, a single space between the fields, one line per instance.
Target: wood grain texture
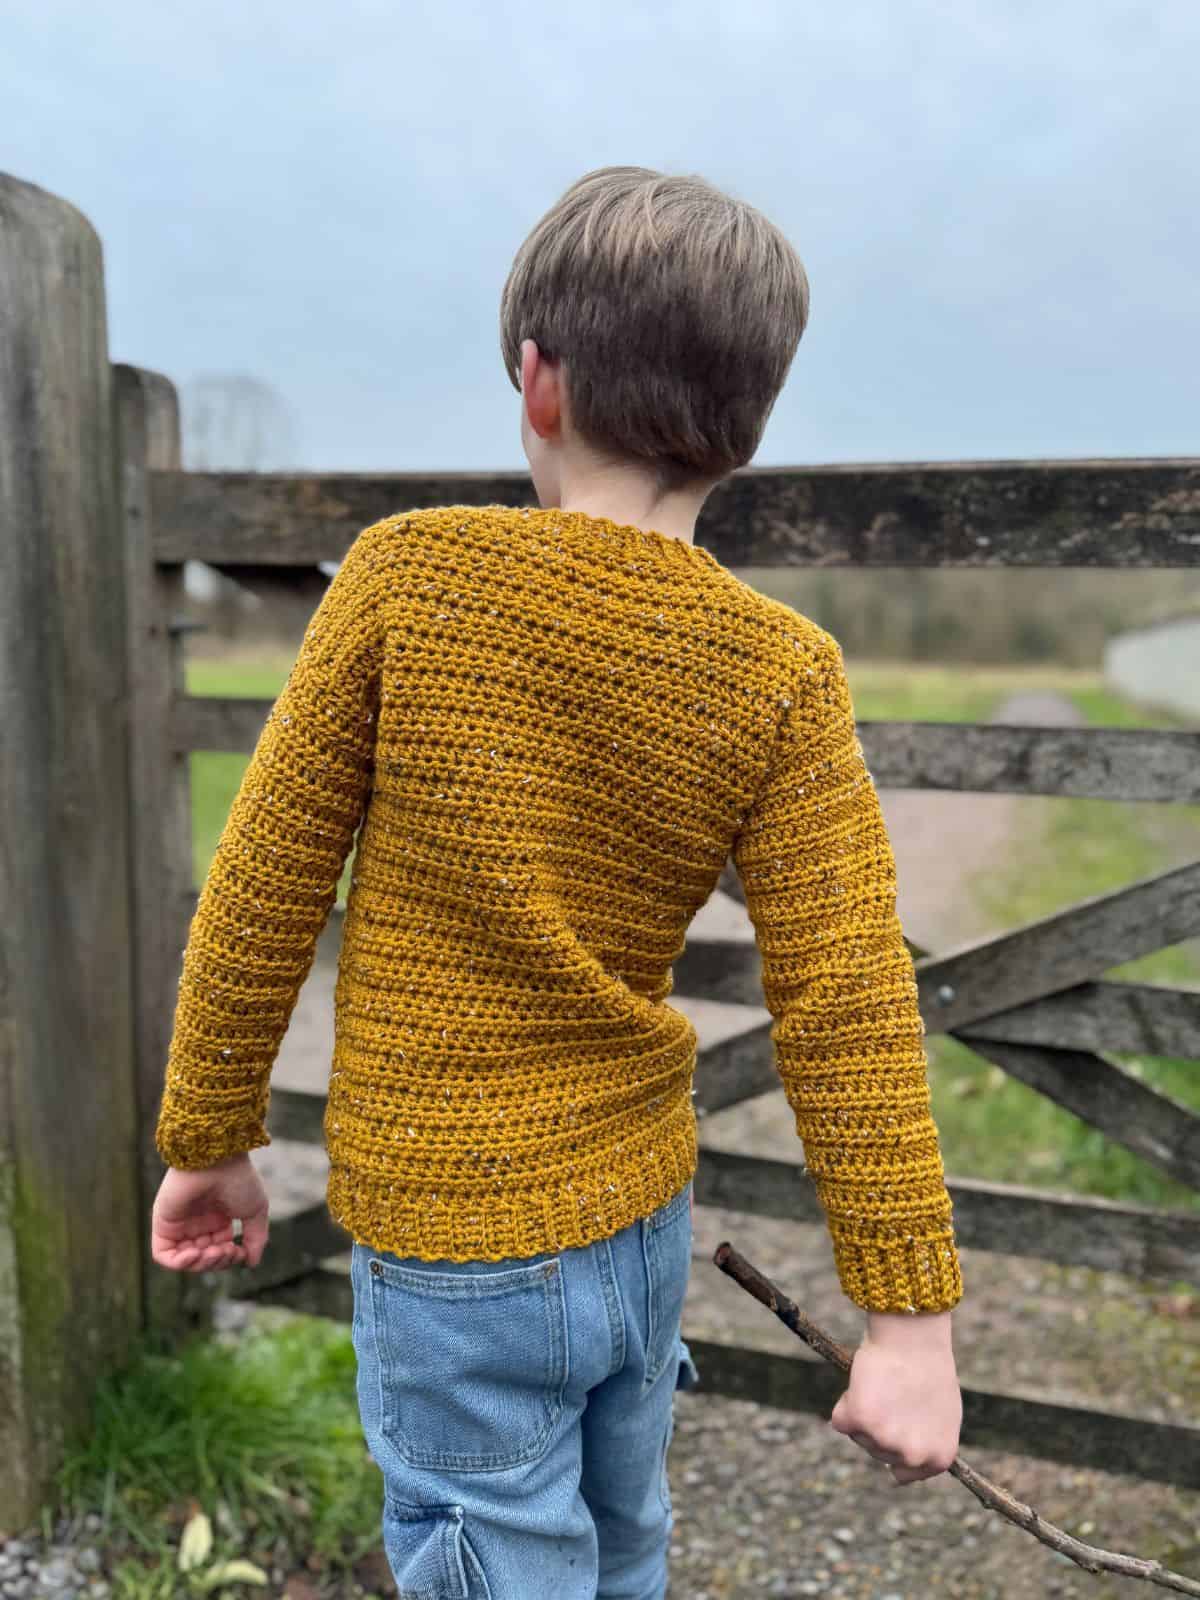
pixel 70 1263
pixel 147 410
pixel 1115 513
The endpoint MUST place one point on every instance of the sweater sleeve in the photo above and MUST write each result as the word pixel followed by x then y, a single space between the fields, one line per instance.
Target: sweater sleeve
pixel 274 876
pixel 816 864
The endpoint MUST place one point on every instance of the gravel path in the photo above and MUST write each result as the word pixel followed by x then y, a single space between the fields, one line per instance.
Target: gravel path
pixel 771 1503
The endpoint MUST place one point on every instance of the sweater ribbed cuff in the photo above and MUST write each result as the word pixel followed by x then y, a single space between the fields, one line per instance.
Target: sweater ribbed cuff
pixel 908 1275
pixel 191 1146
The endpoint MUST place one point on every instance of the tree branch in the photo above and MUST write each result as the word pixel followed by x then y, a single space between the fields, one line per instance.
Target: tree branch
pixel 1087 1556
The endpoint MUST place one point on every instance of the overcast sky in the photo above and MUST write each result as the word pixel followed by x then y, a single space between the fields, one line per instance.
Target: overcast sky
pixel 996 202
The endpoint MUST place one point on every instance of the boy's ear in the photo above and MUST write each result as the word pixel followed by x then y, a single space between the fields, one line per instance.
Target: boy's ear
pixel 540 390
pixel 531 362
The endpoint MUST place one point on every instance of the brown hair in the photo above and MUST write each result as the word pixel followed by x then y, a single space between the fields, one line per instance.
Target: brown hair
pixel 676 310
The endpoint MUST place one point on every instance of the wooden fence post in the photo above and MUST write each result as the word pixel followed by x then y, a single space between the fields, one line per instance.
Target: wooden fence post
pixel 160 830
pixel 70 1267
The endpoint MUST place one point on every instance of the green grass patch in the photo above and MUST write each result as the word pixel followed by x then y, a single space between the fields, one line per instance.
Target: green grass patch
pixel 216 775
pixel 994 1129
pixel 266 1427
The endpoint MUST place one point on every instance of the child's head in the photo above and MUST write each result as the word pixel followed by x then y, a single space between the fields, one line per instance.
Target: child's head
pixel 651 322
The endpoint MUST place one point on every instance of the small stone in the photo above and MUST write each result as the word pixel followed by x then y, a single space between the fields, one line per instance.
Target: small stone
pixel 56 1573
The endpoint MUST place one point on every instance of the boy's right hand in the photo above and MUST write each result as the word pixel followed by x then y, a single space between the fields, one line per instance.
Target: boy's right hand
pixel 903 1404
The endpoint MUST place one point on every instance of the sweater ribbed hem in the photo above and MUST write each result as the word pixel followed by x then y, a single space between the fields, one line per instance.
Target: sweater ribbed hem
pixel 560 1211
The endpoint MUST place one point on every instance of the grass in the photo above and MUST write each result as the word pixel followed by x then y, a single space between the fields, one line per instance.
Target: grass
pixel 266 1427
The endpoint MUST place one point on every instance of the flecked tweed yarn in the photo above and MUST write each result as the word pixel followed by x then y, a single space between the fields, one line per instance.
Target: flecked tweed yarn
pixel 543 733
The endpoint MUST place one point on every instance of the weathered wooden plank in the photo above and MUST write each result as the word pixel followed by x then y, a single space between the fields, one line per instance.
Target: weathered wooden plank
pixel 1059 951
pixel 726 970
pixel 1097 1090
pixel 160 826
pixel 297 1244
pixel 296 1114
pixel 998 758
pixel 1150 1124
pixel 1130 1113
pixel 1109 513
pixel 1079 1436
pixel 735 1069
pixel 70 1221
pixel 323 1292
pixel 218 722
pixel 1139 1018
pixel 1109 1236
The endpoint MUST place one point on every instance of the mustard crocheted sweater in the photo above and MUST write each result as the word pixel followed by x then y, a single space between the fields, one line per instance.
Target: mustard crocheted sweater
pixel 549 731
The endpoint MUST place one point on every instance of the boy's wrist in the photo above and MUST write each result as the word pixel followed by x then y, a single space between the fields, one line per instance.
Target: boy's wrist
pixel 902 1328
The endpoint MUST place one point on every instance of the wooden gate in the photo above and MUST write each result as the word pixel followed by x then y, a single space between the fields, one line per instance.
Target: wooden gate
pixel 1032 1001
pixel 98 521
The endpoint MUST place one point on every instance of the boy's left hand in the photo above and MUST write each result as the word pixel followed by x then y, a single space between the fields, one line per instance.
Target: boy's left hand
pixel 903 1404
pixel 191 1227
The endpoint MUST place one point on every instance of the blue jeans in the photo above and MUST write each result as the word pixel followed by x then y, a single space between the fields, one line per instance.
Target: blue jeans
pixel 521 1412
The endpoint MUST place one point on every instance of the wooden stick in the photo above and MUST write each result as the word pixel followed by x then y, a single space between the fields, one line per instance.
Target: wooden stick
pixel 1087 1556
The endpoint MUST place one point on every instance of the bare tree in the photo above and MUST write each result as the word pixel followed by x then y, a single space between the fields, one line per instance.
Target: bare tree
pixel 233 422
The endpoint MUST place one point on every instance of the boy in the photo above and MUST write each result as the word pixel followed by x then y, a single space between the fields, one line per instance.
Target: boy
pixel 555 725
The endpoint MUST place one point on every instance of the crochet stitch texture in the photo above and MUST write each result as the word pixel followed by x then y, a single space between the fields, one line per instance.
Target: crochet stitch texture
pixel 549 731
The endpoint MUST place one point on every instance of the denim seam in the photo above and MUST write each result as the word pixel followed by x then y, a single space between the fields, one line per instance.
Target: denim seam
pixel 612 1304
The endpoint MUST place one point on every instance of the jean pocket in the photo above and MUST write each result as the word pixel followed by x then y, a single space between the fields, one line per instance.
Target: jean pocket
pixel 429 1553
pixel 472 1365
pixel 667 1246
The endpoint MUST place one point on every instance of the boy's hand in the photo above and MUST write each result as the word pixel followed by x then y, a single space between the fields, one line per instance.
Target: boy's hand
pixel 903 1404
pixel 192 1222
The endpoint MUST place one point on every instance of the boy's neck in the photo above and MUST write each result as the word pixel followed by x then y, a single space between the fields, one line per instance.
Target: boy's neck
pixel 638 507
